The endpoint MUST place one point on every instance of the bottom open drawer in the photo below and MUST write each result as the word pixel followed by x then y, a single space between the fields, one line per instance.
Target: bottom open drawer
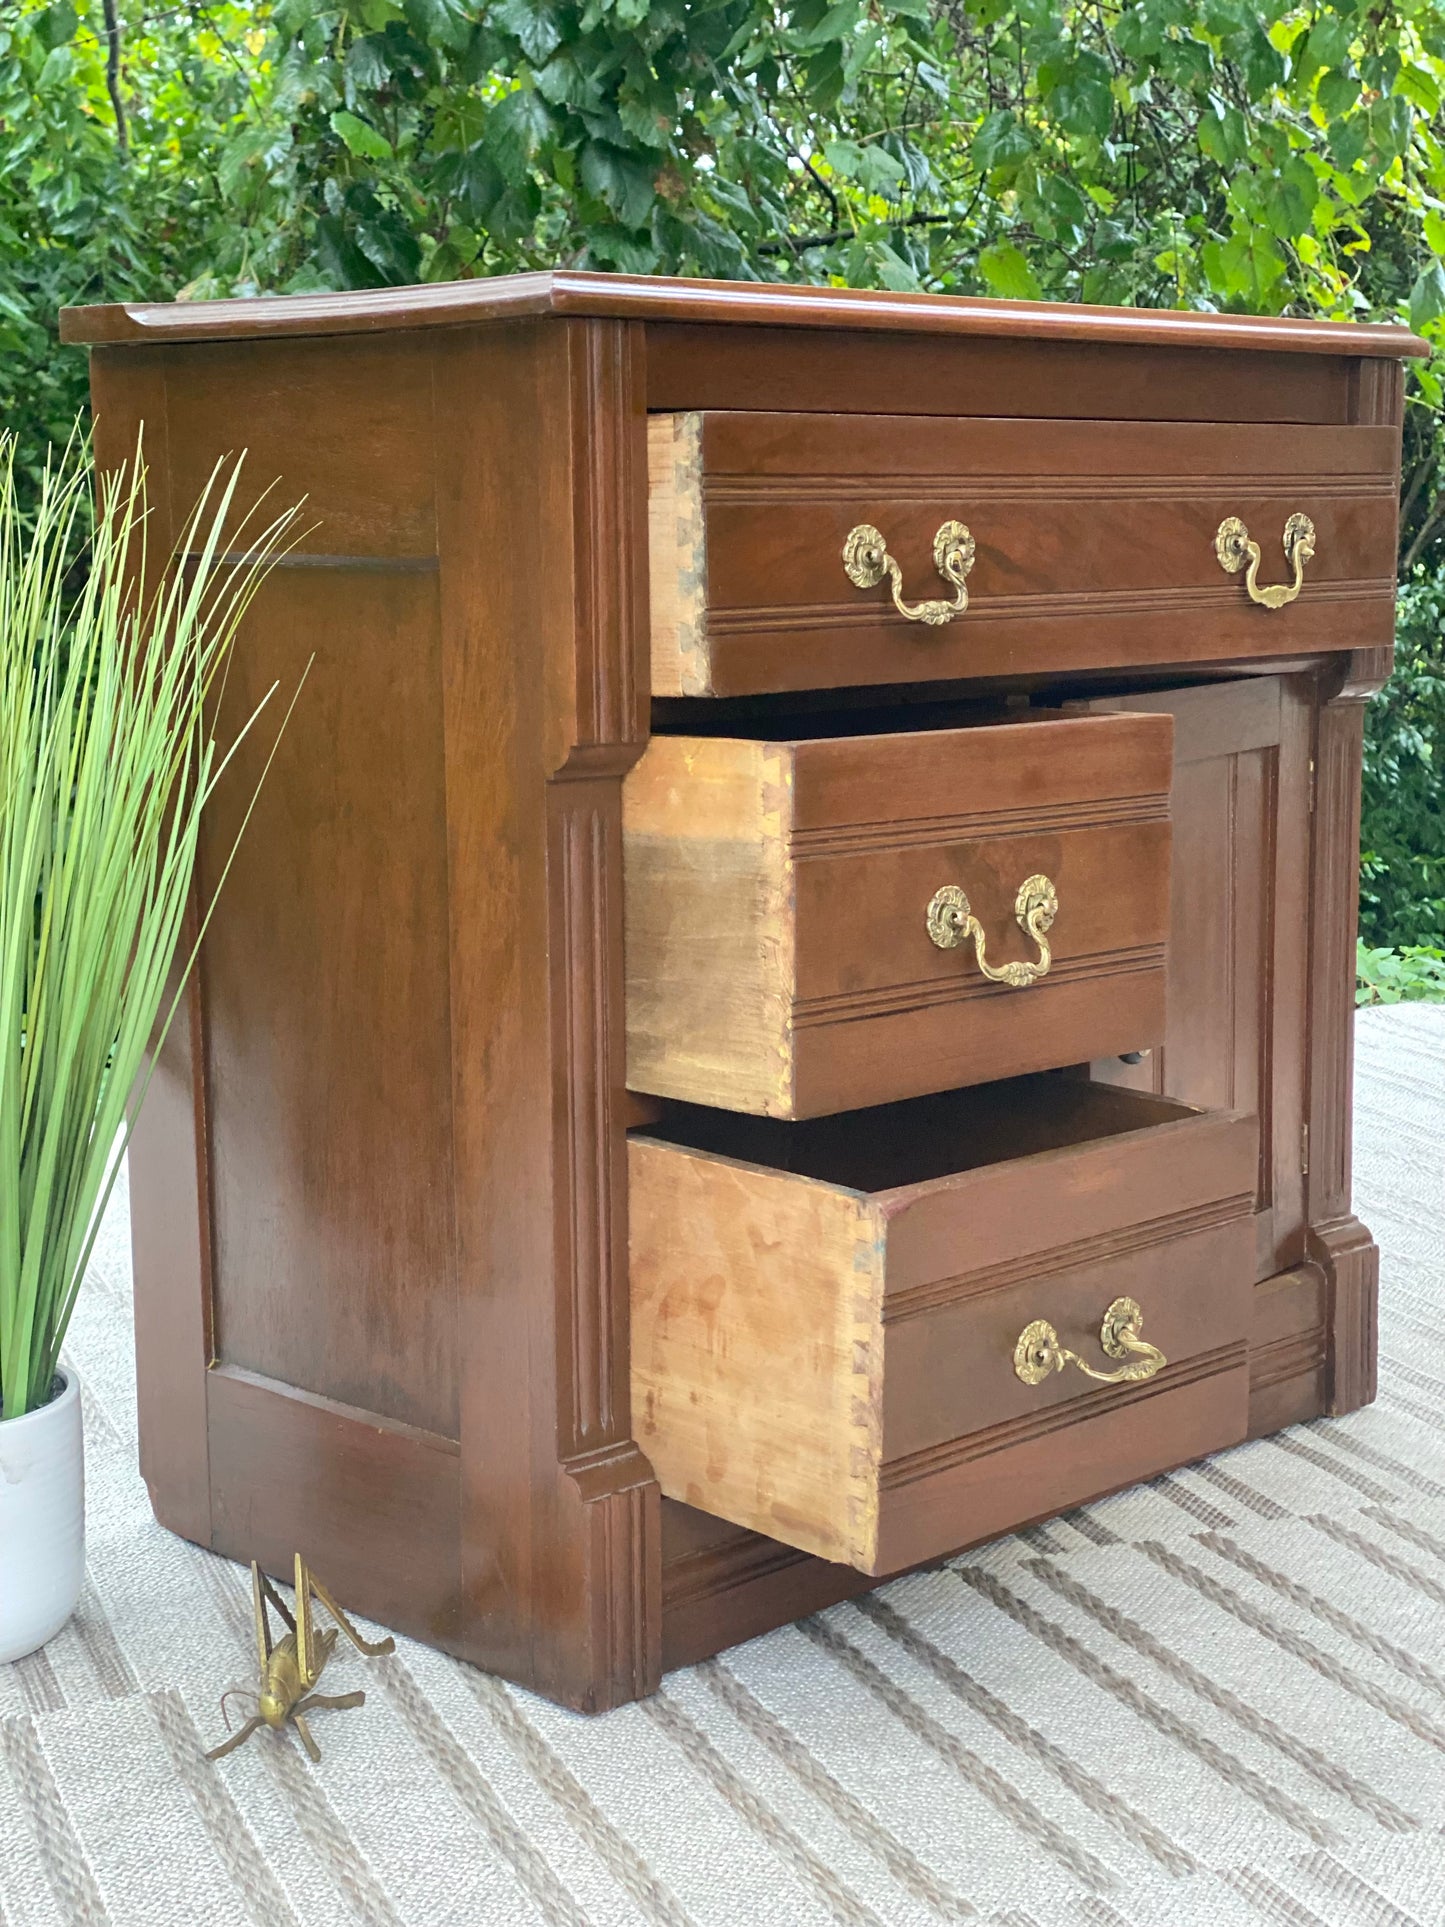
pixel 827 1316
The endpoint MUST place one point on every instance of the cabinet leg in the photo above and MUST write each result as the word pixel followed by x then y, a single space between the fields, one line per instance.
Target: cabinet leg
pixel 1350 1259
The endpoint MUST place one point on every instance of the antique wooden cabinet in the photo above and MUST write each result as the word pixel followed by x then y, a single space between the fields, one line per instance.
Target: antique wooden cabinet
pixel 803 920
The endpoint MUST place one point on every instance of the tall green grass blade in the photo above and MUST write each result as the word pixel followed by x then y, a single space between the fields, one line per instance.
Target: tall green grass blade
pixel 108 756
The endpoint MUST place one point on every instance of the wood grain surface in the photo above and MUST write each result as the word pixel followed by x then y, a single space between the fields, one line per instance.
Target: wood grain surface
pixel 778 956
pixel 1095 544
pixel 646 297
pixel 811 1351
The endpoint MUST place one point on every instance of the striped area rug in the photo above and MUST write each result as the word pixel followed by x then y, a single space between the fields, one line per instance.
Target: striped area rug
pixel 1219 1700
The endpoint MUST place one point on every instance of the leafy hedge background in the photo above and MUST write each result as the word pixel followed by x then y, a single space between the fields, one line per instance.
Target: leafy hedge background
pixel 1233 154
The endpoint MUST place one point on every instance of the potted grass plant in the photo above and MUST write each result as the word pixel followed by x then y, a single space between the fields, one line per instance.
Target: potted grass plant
pixel 111 672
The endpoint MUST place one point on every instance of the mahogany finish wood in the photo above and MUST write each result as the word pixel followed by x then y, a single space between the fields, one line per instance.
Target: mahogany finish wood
pixel 657 298
pixel 778 954
pixel 1095 545
pixel 380 1184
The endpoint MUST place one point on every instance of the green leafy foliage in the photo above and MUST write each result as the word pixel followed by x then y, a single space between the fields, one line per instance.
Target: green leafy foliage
pixel 1206 153
pixel 96 207
pixel 1215 153
pixel 1414 974
pixel 1402 861
pixel 1209 153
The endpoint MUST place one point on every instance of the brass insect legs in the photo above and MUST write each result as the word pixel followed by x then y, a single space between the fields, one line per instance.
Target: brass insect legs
pixel 292 1665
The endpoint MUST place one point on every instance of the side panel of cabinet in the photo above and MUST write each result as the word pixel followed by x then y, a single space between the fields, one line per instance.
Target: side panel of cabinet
pixel 379 1189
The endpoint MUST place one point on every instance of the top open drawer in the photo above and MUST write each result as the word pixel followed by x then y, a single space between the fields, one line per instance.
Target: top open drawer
pixel 1089 545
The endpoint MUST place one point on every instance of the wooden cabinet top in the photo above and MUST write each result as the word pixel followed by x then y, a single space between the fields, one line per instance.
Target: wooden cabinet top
pixel 658 298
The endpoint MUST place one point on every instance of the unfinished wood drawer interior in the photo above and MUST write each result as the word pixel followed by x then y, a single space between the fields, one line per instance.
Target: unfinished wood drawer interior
pixel 1090 544
pixel 826 1317
pixel 817 924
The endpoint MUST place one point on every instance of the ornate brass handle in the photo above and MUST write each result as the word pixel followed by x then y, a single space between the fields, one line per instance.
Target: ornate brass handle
pixel 1039 1352
pixel 867 561
pixel 951 922
pixel 1234 548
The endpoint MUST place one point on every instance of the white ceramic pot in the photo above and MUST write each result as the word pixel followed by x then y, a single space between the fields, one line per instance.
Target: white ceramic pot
pixel 42 1521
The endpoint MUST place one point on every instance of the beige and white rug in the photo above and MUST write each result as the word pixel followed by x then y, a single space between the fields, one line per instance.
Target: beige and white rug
pixel 1217 1700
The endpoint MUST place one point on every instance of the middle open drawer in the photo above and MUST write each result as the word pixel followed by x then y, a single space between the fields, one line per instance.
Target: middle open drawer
pixel 819 924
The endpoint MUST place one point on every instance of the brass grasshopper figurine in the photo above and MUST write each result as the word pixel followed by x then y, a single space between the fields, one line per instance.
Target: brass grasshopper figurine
pixel 292 1665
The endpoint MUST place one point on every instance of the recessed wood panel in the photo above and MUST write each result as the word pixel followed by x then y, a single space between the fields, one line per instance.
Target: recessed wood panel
pixel 1237 962
pixel 325 981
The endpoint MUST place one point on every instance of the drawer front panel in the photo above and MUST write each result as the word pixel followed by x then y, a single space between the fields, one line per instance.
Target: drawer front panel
pixel 993 1484
pixel 780 957
pixel 950 1359
pixel 1094 545
pixel 834 1364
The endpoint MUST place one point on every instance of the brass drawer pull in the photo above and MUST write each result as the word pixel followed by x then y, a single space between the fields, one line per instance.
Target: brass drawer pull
pixel 951 922
pixel 867 561
pixel 1039 1352
pixel 1234 548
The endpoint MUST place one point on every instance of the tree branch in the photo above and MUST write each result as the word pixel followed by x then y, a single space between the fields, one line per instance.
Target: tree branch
pixel 112 73
pixel 1423 535
pixel 797 244
pixel 1422 474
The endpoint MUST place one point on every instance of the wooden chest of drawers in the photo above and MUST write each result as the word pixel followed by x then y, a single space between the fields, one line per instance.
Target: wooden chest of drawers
pixel 786 1006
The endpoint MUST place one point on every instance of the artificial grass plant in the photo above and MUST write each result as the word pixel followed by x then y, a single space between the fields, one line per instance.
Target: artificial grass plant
pixel 109 692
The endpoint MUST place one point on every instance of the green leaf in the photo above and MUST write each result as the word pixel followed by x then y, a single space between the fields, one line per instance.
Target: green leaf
pixel 55 25
pixel 1338 94
pixel 836 24
pixel 439 23
pixel 1260 62
pixel 1390 123
pixel 623 183
pixel 1223 135
pixel 874 169
pixel 1427 297
pixel 893 271
pixel 843 157
pixel 1007 273
pixel 367 67
pixel 1081 99
pixel 1419 87
pixel 388 242
pixel 516 129
pixel 360 137
pixel 617 248
pixel 533 27
pixel 1288 198
pixel 879 172
pixel 1000 142
pixel 1327 44
pixel 1348 141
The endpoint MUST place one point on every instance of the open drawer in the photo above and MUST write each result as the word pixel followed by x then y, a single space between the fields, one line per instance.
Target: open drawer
pixel 812 551
pixel 839 1328
pixel 819 923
